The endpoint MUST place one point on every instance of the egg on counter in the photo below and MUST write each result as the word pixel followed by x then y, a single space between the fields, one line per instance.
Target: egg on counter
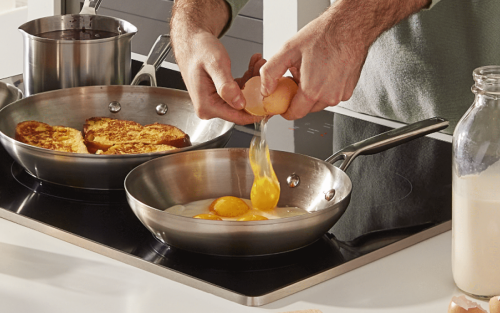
pixel 232 208
pixel 460 304
pixel 495 304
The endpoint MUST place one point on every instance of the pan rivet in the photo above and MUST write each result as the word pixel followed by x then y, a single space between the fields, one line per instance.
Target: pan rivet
pixel 330 194
pixel 115 106
pixel 293 180
pixel 161 109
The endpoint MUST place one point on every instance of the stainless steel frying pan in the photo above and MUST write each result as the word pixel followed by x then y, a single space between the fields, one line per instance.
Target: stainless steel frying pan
pixel 72 106
pixel 317 186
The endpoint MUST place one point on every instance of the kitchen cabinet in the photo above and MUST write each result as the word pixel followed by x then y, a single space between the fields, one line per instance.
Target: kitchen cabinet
pixel 151 17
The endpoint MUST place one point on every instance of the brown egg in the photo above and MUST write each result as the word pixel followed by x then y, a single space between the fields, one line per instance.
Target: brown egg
pixel 460 304
pixel 253 97
pixel 495 304
pixel 279 101
pixel 276 103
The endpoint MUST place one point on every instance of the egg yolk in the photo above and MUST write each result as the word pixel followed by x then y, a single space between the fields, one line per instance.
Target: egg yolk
pixel 208 217
pixel 252 217
pixel 265 191
pixel 229 206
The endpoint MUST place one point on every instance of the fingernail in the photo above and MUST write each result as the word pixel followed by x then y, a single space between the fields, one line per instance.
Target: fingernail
pixel 238 102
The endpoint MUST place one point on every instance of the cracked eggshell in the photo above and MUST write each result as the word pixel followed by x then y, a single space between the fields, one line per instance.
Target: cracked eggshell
pixel 276 103
pixel 460 304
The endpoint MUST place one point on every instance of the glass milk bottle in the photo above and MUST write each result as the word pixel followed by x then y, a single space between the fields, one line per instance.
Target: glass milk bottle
pixel 476 190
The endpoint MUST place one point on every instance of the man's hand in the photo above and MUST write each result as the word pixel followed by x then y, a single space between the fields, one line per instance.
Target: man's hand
pixel 204 62
pixel 327 55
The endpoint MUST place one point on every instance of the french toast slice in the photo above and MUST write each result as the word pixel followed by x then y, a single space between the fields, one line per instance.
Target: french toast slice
pixel 101 133
pixel 165 135
pixel 59 138
pixel 135 148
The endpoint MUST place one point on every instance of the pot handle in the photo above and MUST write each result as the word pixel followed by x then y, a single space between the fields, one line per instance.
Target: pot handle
pixel 158 53
pixel 387 140
pixel 90 7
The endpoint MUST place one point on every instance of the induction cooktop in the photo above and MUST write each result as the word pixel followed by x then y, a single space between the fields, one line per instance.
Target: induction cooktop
pixel 400 197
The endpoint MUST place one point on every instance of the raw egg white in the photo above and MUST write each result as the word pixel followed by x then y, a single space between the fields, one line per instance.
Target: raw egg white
pixel 202 207
pixel 266 188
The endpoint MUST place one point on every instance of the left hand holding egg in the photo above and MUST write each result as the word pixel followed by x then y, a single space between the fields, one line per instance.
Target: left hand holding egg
pixel 207 75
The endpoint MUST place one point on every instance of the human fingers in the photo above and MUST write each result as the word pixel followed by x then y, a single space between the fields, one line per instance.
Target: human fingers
pixel 221 110
pixel 219 70
pixel 319 106
pixel 258 65
pixel 256 62
pixel 208 104
pixel 231 93
pixel 300 105
pixel 295 74
pixel 239 117
pixel 277 66
pixel 256 57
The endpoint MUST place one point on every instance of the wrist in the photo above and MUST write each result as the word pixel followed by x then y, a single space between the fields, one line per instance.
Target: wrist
pixel 189 16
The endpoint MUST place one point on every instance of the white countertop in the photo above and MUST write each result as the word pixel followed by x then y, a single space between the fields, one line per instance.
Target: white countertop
pixel 39 273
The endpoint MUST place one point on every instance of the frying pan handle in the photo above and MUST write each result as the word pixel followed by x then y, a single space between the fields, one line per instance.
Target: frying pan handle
pixel 387 140
pixel 90 7
pixel 158 53
pixel 375 240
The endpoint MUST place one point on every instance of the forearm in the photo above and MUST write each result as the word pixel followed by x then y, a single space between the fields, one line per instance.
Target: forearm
pixel 190 17
pixel 361 22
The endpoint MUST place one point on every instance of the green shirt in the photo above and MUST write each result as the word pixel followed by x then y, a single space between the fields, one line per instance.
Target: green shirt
pixel 423 66
pixel 236 6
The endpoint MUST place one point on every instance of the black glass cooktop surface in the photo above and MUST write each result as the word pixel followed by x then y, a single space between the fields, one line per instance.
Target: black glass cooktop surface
pixel 397 195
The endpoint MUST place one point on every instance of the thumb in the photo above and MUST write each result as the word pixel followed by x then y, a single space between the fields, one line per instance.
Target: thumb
pixel 228 89
pixel 231 93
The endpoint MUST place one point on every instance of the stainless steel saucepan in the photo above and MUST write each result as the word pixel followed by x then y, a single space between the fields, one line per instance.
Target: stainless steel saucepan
pixel 317 186
pixel 64 51
pixel 72 106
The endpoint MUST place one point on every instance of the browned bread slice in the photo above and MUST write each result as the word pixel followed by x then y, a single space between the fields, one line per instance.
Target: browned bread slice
pixel 57 138
pixel 101 133
pixel 164 134
pixel 135 148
